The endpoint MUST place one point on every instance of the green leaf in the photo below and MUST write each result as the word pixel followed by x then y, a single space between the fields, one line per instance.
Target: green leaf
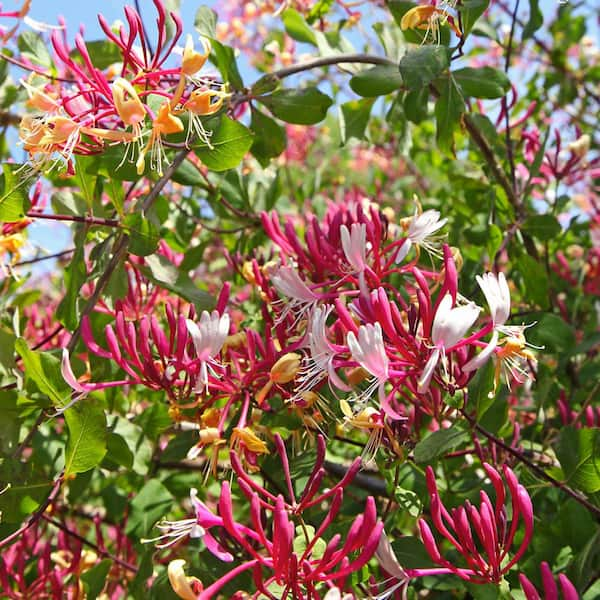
pixel 86 446
pixel 438 443
pixel 415 105
pixel 319 10
pixel 551 332
pixel 143 234
pixel 266 84
pixel 578 451
pixel 494 240
pixel 448 109
pixel 94 579
pixel 376 81
pixel 470 11
pixel 354 118
pixel 536 19
pixel 205 22
pixel 187 174
pixel 534 280
pixel 165 274
pixel 408 501
pixel 421 66
pixel 44 370
pixel 118 453
pixel 297 28
pixel 269 137
pixel 224 59
pixel 483 82
pixel 13 194
pixel 229 144
pixel 542 227
pixel 306 106
pixel 75 274
pixel 411 553
pixel 33 47
pixel 150 504
pixel 480 388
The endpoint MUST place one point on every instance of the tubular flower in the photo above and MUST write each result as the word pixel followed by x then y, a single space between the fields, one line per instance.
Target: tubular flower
pixel 302 299
pixel 208 336
pixel 184 586
pixel 354 244
pixel 449 327
pixel 369 352
pixel 483 537
pixel 421 231
pixel 428 17
pixel 569 592
pixel 511 351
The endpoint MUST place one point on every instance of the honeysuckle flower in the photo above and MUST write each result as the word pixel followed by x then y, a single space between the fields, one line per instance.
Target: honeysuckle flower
pixel 164 123
pixel 196 527
pixel 184 586
pixel 569 592
pixel 319 363
pixel 421 231
pixel 368 350
pixel 428 17
pixel 481 536
pixel 449 327
pixel 354 244
pixel 370 420
pixel 301 299
pixel 208 336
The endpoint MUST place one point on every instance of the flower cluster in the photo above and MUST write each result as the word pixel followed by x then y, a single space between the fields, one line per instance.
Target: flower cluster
pixel 136 103
pixel 292 560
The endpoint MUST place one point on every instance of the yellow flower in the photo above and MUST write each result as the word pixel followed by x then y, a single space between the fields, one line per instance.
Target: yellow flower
pixel 250 440
pixel 428 18
pixel 185 587
pixel 193 61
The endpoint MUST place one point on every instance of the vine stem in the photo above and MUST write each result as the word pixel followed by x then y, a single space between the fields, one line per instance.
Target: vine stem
pixel 531 465
pixel 97 549
pixel 326 61
pixel 75 219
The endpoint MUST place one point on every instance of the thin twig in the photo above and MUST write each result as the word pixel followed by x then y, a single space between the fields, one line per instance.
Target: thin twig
pixel 101 552
pixel 75 219
pixel 332 60
pixel 532 466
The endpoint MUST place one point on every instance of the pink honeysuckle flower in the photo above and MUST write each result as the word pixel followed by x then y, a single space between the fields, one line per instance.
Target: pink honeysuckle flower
pixel 421 232
pixel 195 527
pixel 482 536
pixel 208 335
pixel 569 592
pixel 449 327
pixel 354 244
pixel 369 352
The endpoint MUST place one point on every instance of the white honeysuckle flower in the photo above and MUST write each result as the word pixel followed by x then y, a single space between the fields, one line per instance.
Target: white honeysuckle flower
pixel 449 327
pixel 300 298
pixel 319 363
pixel 421 232
pixel 208 336
pixel 496 292
pixel 335 594
pixel 354 244
pixel 368 350
pixel 451 324
pixel 388 561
